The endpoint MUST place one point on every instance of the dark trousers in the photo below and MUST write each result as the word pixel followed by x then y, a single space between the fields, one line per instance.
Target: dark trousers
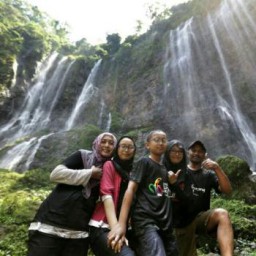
pixel 98 241
pixel 41 244
pixel 153 242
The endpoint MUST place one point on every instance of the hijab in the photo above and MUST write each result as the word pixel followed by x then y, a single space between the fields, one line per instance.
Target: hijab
pixel 123 168
pixel 96 158
pixel 167 162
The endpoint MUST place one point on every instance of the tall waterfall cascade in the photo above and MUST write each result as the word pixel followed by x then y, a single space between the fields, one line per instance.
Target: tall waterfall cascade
pixel 84 97
pixel 204 87
pixel 35 113
pixel 199 71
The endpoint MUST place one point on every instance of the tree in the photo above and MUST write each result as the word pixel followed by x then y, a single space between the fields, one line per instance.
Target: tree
pixel 113 43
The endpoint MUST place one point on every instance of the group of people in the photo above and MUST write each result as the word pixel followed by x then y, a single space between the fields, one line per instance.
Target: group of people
pixel 155 206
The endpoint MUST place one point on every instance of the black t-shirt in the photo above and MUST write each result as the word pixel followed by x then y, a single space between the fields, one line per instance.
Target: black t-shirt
pixel 195 197
pixel 152 207
pixel 74 161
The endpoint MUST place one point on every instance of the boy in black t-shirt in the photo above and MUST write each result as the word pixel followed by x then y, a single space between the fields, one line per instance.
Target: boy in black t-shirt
pixel 151 216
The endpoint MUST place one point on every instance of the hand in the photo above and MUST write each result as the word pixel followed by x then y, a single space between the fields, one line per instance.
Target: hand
pixel 116 237
pixel 119 244
pixel 210 164
pixel 173 176
pixel 96 172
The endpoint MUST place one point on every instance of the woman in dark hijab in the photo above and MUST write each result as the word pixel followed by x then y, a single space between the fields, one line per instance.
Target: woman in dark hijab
pixel 175 156
pixel 175 161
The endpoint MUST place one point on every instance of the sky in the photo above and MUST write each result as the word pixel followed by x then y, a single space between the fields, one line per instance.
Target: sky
pixel 95 19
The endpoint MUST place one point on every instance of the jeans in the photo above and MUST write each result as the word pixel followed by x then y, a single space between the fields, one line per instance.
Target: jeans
pixel 154 242
pixel 98 241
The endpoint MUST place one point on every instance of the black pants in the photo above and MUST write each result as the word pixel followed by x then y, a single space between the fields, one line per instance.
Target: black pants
pixel 41 244
pixel 98 241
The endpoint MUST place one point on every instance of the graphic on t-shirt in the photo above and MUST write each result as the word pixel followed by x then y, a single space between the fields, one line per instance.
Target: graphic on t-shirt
pixel 196 191
pixel 156 188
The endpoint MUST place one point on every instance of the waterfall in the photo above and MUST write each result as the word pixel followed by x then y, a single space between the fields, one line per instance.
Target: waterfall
pixel 57 93
pixel 232 109
pixel 204 94
pixel 21 121
pixel 22 155
pixel 14 67
pixel 34 114
pixel 40 97
pixel 39 101
pixel 104 120
pixel 109 122
pixel 84 97
pixel 19 136
pixel 17 154
pixel 33 151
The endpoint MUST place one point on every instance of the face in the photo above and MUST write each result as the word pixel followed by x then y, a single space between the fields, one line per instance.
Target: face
pixel 106 146
pixel 157 143
pixel 196 154
pixel 176 154
pixel 126 149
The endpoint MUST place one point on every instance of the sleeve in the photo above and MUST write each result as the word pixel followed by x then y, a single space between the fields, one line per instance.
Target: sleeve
pixel 137 173
pixel 107 181
pixel 64 175
pixel 214 182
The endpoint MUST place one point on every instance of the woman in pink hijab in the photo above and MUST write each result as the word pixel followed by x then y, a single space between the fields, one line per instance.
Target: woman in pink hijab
pixel 60 226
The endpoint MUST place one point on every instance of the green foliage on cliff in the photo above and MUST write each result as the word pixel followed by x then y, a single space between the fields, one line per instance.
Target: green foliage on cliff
pixel 26 35
pixel 238 172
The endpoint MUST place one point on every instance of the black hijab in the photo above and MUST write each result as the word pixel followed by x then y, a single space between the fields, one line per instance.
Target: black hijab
pixel 123 167
pixel 166 161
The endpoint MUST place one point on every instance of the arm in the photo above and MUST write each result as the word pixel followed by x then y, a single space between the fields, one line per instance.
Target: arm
pixel 120 229
pixel 108 185
pixel 127 202
pixel 110 211
pixel 224 183
pixel 62 174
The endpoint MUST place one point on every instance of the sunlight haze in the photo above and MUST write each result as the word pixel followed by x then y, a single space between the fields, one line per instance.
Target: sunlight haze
pixel 95 19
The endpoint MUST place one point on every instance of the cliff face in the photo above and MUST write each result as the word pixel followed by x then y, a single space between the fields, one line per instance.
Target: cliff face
pixel 196 81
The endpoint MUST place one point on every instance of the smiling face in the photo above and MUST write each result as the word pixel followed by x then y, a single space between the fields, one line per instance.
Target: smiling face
pixel 176 154
pixel 107 145
pixel 196 154
pixel 126 149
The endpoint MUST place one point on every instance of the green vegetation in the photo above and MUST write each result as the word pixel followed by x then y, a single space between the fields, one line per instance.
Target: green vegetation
pixel 26 35
pixel 21 195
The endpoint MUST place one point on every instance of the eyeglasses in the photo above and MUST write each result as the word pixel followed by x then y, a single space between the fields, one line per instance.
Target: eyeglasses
pixel 159 140
pixel 178 152
pixel 126 147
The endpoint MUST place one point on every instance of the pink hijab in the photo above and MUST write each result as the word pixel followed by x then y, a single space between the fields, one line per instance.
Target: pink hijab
pixel 97 158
